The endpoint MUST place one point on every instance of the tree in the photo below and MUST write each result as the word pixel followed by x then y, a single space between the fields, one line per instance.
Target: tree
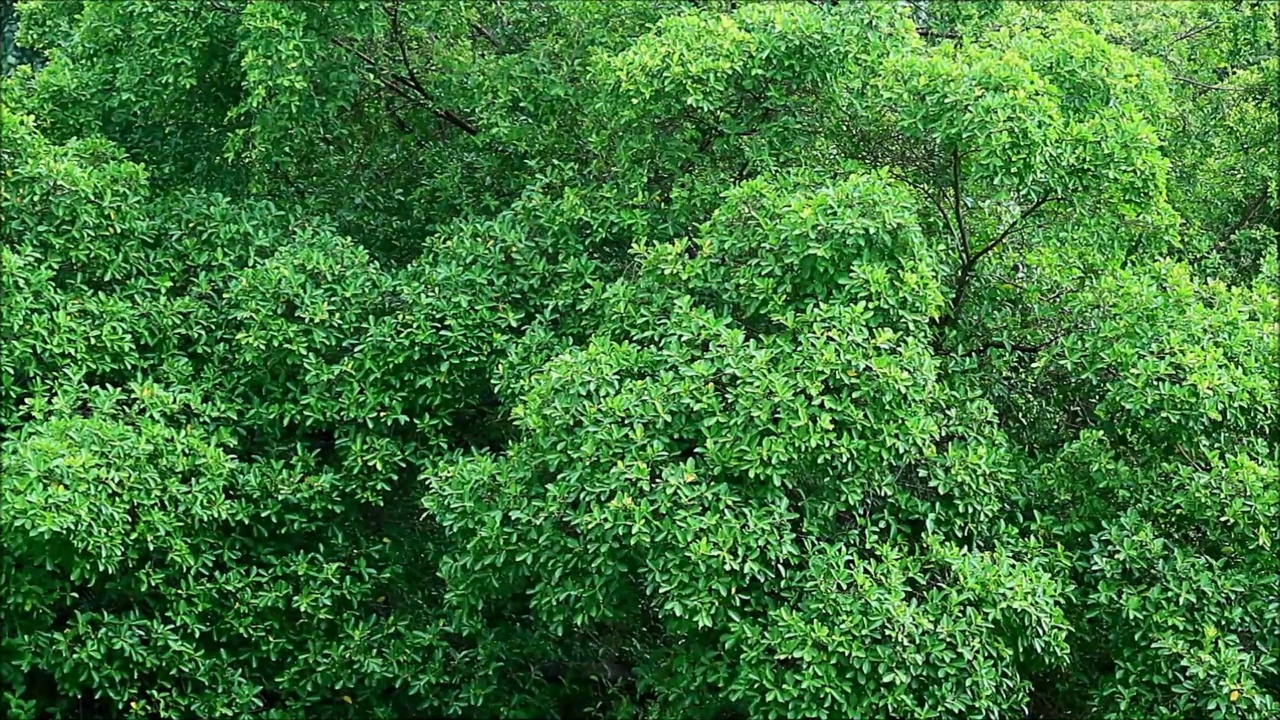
pixel 654 359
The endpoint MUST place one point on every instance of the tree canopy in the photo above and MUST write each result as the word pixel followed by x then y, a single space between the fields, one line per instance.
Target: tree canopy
pixel 653 359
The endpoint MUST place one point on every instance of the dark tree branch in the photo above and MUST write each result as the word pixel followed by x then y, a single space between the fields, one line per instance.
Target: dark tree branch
pixel 925 32
pixel 935 201
pixel 1254 207
pixel 965 277
pixel 1193 32
pixel 444 113
pixel 1009 230
pixel 401 124
pixel 1059 295
pixel 406 86
pixel 1015 284
pixel 398 36
pixel 486 33
pixel 395 87
pixel 1015 347
pixel 946 218
pixel 962 234
pixel 1225 88
pixel 1183 452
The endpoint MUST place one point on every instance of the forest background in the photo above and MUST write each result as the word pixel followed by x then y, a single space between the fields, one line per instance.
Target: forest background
pixel 663 359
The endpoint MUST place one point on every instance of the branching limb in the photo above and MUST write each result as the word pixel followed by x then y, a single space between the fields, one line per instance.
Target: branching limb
pixel 406 86
pixel 965 276
pixel 1252 212
pixel 399 84
pixel 937 205
pixel 447 115
pixel 1062 293
pixel 1008 231
pixel 1255 205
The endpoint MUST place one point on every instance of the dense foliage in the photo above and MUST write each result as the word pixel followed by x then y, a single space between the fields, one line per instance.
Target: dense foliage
pixel 663 359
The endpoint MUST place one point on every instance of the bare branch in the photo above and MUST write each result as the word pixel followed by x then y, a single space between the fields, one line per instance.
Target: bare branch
pixel 971 260
pixel 955 192
pixel 403 86
pixel 1009 230
pixel 934 200
pixel 1063 292
pixel 1249 215
pixel 1183 452
pixel 1225 88
pixel 1193 32
pixel 445 114
pixel 486 33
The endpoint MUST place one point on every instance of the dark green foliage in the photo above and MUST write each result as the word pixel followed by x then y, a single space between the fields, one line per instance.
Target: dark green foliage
pixel 658 359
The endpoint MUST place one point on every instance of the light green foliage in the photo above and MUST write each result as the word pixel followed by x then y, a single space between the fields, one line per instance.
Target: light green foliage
pixel 148 564
pixel 1221 57
pixel 655 359
pixel 776 246
pixel 1170 499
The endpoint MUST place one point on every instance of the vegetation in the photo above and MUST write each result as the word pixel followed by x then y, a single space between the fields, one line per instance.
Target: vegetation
pixel 663 359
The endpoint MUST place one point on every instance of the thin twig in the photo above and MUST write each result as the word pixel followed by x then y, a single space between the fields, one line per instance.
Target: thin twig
pixel 1063 292
pixel 1226 88
pixel 1193 32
